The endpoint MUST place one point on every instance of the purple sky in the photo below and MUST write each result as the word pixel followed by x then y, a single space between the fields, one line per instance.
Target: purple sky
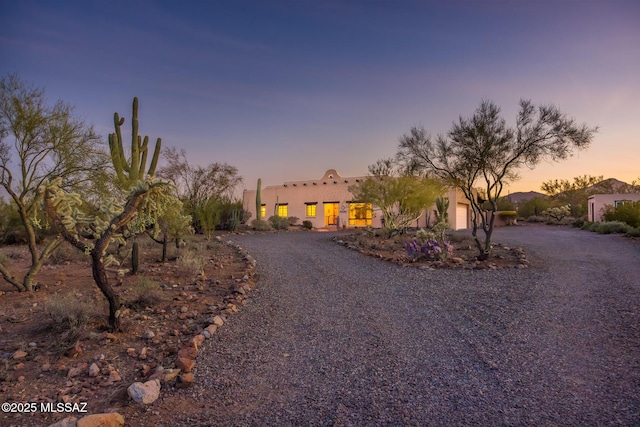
pixel 285 90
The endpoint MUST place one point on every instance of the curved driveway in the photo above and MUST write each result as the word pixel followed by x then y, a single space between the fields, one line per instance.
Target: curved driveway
pixel 331 337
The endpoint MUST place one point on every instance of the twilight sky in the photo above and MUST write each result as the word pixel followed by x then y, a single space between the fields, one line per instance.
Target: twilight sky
pixel 285 90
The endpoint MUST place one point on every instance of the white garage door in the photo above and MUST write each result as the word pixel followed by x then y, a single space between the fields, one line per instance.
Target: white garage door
pixel 461 216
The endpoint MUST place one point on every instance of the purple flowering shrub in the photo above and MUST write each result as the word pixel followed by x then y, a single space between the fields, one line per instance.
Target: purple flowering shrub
pixel 431 250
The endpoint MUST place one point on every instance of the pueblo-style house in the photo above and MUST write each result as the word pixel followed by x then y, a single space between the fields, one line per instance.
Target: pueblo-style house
pixel 327 203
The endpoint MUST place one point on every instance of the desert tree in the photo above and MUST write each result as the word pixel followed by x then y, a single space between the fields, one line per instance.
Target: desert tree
pixel 38 143
pixel 484 151
pixel 115 215
pixel 401 197
pixel 195 185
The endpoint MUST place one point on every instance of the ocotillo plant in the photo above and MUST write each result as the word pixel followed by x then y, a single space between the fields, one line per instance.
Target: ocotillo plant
pixel 258 201
pixel 130 173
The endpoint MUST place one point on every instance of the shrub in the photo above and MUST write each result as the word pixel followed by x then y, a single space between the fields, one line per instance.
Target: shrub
pixel 146 293
pixel 281 222
pixel 68 312
pixel 307 224
pixel 628 212
pixel 260 225
pixel 192 261
pixel 509 217
pixel 634 232
pixel 430 250
pixel 611 227
pixel 557 213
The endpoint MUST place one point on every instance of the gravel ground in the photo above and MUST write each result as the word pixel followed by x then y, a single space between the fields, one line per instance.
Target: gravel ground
pixel 332 337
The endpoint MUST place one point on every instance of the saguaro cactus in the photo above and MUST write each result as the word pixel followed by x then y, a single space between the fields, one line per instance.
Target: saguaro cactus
pixel 133 171
pixel 258 200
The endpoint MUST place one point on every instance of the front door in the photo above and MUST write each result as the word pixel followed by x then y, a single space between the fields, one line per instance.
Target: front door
pixel 331 214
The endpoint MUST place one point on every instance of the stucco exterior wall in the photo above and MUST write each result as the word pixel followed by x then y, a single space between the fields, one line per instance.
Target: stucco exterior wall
pixel 597 202
pixel 332 189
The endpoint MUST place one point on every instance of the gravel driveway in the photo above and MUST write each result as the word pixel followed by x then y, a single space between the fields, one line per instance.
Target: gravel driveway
pixel 331 337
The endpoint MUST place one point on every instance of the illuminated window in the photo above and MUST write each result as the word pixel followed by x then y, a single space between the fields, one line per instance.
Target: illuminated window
pixel 283 210
pixel 263 211
pixel 360 214
pixel 311 209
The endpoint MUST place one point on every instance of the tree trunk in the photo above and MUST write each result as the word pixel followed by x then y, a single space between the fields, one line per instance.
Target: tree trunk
pixel 100 277
pixel 165 243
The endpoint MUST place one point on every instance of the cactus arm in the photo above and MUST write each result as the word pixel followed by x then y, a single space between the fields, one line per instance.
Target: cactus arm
pixel 143 161
pixel 154 158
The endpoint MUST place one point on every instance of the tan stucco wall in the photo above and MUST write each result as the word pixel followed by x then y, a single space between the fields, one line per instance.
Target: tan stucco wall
pixel 597 202
pixel 330 188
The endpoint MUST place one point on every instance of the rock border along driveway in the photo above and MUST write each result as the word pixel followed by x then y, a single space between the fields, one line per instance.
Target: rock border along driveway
pixel 332 337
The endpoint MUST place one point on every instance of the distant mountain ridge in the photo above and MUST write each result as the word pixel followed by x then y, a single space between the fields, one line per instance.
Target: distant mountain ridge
pixel 609 185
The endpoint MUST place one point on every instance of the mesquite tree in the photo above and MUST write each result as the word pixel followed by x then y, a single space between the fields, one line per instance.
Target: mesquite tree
pixel 484 151
pixel 114 216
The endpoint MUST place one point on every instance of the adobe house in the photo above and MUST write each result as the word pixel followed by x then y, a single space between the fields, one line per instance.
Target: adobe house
pixel 597 202
pixel 327 203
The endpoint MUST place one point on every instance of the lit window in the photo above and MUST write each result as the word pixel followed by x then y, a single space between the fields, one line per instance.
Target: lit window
pixel 283 210
pixel 263 211
pixel 311 210
pixel 360 214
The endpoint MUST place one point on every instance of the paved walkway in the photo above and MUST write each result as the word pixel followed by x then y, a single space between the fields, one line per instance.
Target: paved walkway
pixel 331 337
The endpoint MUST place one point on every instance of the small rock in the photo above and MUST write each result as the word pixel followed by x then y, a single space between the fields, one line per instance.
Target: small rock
pixel 143 353
pixel 132 352
pixel 206 334
pixel 19 354
pixel 94 370
pixel 101 420
pixel 185 364
pixel 185 380
pixel 114 376
pixel 80 369
pixel 188 352
pixel 73 351
pixel 217 320
pixel 33 344
pixel 18 366
pixel 145 393
pixel 170 375
pixel 149 334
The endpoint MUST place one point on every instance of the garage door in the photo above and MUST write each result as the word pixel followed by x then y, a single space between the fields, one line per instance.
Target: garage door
pixel 462 213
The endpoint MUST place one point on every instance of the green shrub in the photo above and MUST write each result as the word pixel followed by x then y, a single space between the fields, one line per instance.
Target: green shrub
pixel 611 227
pixel 509 217
pixel 280 222
pixel 307 224
pixel 558 213
pixel 634 232
pixel 260 225
pixel 628 212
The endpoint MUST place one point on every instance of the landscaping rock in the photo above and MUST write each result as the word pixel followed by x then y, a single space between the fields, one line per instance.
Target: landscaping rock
pixel 101 420
pixel 145 393
pixel 185 380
